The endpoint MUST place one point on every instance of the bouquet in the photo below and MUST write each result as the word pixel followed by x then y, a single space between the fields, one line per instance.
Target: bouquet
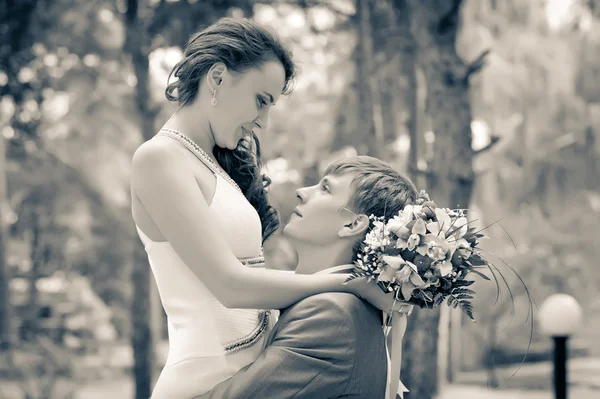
pixel 423 256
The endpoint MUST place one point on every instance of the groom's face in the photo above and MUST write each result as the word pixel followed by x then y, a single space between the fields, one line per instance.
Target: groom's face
pixel 321 212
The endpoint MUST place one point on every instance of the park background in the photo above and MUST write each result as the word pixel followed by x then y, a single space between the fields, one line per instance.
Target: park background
pixel 492 105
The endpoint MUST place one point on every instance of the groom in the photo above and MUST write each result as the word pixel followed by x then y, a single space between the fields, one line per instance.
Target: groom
pixel 329 345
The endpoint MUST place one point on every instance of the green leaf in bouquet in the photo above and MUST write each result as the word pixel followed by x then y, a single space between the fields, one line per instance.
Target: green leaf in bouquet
pixel 472 240
pixel 480 274
pixel 463 293
pixel 471 236
pixel 424 295
pixel 468 309
pixel 408 255
pixel 452 302
pixel 457 259
pixel 463 304
pixel 438 299
pixel 446 284
pixel 393 251
pixel 463 283
pixel 462 274
pixel 477 260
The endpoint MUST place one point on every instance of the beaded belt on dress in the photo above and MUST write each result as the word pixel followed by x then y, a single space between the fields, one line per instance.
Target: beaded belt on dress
pixel 253 261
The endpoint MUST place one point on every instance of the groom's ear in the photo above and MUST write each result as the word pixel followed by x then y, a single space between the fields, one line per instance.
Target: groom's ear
pixel 358 226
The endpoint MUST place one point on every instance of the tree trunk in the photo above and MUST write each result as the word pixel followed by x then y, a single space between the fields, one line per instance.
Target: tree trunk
pixel 450 177
pixel 408 77
pixel 369 95
pixel 395 59
pixel 434 25
pixel 403 76
pixel 31 316
pixel 142 340
pixel 15 19
pixel 5 313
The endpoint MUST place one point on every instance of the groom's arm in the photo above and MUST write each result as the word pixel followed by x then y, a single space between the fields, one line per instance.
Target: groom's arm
pixel 311 356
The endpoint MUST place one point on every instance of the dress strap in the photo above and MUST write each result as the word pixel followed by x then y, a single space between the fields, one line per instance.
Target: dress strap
pixel 200 154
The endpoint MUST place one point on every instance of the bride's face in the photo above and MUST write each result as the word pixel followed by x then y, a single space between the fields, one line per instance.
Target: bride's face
pixel 320 215
pixel 244 101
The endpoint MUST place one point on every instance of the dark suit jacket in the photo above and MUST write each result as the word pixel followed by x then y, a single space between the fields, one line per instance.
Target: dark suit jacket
pixel 325 346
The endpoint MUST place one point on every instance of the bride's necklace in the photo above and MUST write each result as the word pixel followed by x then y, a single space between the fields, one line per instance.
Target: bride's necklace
pixel 200 153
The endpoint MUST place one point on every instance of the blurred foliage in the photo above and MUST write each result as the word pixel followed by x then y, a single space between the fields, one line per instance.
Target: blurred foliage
pixel 541 181
pixel 69 116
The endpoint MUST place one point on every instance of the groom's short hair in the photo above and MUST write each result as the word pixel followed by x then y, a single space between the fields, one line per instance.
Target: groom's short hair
pixel 377 189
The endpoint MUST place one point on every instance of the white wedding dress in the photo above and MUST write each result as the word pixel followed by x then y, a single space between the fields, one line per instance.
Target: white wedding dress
pixel 208 343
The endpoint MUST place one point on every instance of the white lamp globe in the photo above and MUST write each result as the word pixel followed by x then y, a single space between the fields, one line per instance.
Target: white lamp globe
pixel 560 315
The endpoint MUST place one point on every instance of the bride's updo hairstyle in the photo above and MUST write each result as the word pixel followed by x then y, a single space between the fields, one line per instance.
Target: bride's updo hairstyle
pixel 241 45
pixel 377 189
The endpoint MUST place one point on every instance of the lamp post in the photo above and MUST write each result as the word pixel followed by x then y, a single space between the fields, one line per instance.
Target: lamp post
pixel 560 317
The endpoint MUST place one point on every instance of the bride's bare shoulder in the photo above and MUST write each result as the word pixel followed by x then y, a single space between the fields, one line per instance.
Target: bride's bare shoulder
pixel 157 151
pixel 164 164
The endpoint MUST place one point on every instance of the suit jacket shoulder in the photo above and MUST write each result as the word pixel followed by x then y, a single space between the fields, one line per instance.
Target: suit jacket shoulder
pixel 347 319
pixel 344 308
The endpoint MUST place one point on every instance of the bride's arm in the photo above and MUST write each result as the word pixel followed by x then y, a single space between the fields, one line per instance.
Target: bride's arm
pixel 171 196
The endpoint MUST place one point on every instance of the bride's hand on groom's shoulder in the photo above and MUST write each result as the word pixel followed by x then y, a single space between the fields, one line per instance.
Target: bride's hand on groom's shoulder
pixel 370 292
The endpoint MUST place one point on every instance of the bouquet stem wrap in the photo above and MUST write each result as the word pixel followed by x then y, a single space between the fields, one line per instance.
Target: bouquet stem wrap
pixel 398 328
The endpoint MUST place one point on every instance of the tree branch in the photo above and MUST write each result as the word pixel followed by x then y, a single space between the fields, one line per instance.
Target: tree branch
pixel 476 65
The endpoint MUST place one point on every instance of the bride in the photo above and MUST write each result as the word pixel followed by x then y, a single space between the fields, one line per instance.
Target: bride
pixel 200 207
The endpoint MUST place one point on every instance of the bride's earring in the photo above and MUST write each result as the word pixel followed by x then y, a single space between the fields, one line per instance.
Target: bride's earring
pixel 213 101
